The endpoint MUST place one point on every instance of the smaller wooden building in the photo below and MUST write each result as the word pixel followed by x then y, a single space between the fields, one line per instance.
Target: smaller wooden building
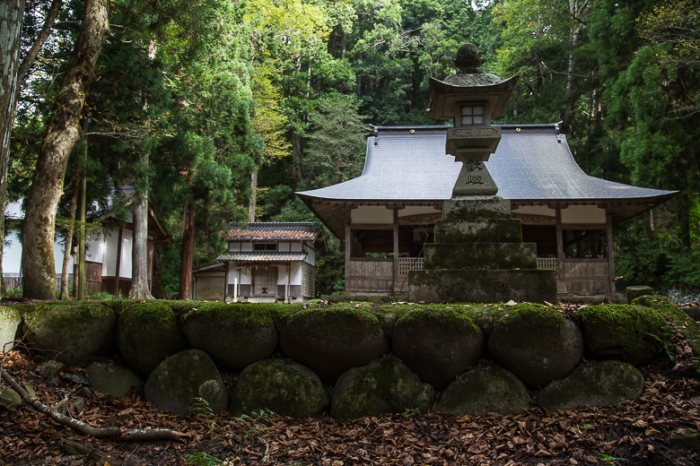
pixel 264 262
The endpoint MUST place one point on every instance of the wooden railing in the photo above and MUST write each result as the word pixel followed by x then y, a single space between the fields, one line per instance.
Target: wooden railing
pixel 547 263
pixel 409 263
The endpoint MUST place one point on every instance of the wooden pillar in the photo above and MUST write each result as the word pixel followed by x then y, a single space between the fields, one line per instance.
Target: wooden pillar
pixel 119 262
pixel 289 281
pixel 396 249
pixel 227 267
pixel 611 256
pixel 560 247
pixel 348 245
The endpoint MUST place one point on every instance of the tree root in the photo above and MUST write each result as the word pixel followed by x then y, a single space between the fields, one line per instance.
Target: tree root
pixel 94 454
pixel 86 429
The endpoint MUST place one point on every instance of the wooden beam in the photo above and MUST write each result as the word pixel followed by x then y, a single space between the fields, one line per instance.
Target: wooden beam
pixel 371 226
pixel 611 257
pixel 348 246
pixel 582 226
pixel 560 246
pixel 396 248
pixel 227 267
pixel 119 262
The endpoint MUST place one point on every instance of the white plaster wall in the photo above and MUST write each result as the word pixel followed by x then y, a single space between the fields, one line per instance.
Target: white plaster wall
pixel 111 246
pixel 296 274
pixel 58 248
pixel 281 274
pixel 11 255
pixel 379 215
pixel 95 247
pixel 416 210
pixel 127 244
pixel 310 255
pixel 536 210
pixel 583 214
pixel 244 278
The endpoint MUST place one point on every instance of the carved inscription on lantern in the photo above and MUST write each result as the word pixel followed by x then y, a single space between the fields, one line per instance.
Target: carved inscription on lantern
pixel 475 132
pixel 475 176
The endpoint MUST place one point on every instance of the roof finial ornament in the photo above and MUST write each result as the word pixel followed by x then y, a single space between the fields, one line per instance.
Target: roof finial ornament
pixel 467 59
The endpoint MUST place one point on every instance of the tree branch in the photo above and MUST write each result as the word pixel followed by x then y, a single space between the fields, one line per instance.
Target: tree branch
pixel 86 429
pixel 38 42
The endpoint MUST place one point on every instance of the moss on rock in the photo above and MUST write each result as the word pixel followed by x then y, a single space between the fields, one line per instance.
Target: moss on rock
pixel 684 323
pixel 235 335
pixel 178 381
pixel 624 333
pixel 147 333
pixel 537 343
pixel 114 380
pixel 283 387
pixel 385 385
pixel 593 384
pixel 10 320
pixel 485 390
pixel 72 333
pixel 332 340
pixel 437 344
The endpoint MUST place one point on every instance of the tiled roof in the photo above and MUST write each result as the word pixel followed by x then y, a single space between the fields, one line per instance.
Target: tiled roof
pixel 533 164
pixel 263 256
pixel 260 231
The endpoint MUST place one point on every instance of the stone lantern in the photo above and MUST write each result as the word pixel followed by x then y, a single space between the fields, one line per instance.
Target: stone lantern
pixel 478 254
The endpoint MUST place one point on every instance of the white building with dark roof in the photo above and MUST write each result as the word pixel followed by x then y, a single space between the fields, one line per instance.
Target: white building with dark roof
pixel 386 215
pixel 264 262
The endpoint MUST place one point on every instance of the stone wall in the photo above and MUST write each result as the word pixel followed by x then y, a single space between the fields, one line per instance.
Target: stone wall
pixel 364 359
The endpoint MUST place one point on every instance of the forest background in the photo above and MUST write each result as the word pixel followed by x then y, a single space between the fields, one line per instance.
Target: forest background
pixel 217 109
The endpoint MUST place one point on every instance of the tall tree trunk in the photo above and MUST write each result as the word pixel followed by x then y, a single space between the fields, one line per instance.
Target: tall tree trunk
pixel 157 288
pixel 65 284
pixel 187 256
pixel 11 12
pixel 251 206
pixel 139 263
pixel 63 132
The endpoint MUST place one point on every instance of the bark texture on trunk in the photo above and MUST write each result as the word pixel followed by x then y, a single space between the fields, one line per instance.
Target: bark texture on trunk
pixel 187 251
pixel 157 288
pixel 65 284
pixel 139 263
pixel 11 12
pixel 63 132
pixel 253 200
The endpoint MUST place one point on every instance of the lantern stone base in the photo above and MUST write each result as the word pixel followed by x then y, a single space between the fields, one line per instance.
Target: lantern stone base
pixel 434 286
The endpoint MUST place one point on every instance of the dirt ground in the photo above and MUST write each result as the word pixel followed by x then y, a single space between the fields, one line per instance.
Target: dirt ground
pixel 632 433
pixel 636 432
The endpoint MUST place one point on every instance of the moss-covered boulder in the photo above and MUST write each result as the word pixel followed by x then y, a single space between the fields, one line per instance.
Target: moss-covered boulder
pixel 178 381
pixel 594 384
pixel 119 305
pixel 147 333
pixel 623 333
pixel 485 390
pixel 281 386
pixel 683 322
pixel 332 340
pixel 385 385
pixel 9 324
pixel 110 379
pixel 72 333
pixel 537 343
pixel 437 344
pixel 235 335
